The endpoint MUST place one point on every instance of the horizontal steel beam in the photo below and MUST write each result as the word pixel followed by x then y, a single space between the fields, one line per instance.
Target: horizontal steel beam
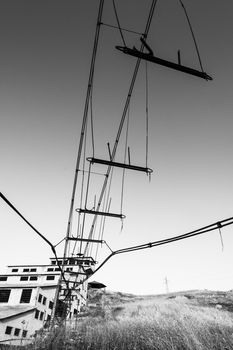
pixel 103 213
pixel 151 58
pixel 120 165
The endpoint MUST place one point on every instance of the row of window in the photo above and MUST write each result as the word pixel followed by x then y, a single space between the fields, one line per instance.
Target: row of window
pixel 25 270
pixel 42 299
pixel 16 331
pixel 35 278
pixel 28 278
pixel 24 299
pixel 71 262
pixel 50 269
pixel 39 315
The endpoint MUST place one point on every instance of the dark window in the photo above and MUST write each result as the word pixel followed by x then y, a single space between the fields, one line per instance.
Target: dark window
pixel 59 262
pixel 26 296
pixel 57 269
pixel 37 314
pixel 33 270
pixel 24 333
pixel 48 318
pixel 16 332
pixel 75 311
pixel 8 330
pixel 39 298
pixel 50 269
pixel 44 300
pixel 15 270
pixel 50 277
pixel 41 316
pixel 3 278
pixel 54 262
pixel 4 295
pixel 24 278
pixel 50 304
pixel 33 278
pixel 25 270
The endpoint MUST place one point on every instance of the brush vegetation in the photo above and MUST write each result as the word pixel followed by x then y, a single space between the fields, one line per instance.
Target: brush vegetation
pixel 191 320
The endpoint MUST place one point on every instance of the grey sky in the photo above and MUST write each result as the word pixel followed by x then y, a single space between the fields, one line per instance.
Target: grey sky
pixel 45 55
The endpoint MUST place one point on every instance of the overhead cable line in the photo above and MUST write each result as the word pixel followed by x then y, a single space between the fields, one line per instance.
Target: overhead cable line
pixel 84 125
pixel 200 231
pixel 147 115
pixel 118 22
pixel 37 232
pixel 122 29
pixel 193 36
pixel 123 172
pixel 92 123
pixel 151 12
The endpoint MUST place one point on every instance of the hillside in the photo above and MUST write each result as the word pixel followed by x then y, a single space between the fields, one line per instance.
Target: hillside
pixel 190 320
pixel 217 299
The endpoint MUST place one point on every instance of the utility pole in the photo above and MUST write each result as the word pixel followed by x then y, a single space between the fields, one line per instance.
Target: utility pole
pixel 166 285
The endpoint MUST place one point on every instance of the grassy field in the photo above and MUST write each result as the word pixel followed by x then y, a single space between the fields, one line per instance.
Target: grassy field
pixel 192 320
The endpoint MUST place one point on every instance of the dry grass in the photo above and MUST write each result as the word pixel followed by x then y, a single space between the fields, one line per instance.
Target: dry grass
pixel 154 323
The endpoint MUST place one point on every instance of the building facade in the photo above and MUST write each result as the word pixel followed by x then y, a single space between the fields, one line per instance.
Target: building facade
pixel 27 295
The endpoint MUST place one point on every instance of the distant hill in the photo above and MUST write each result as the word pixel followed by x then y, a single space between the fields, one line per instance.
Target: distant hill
pixel 219 299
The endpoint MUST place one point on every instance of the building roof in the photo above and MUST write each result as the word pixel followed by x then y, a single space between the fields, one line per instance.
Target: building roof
pixel 26 285
pixel 11 311
pixel 96 285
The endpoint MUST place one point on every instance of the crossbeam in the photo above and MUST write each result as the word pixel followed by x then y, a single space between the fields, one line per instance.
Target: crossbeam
pixel 151 58
pixel 86 240
pixel 120 165
pixel 103 213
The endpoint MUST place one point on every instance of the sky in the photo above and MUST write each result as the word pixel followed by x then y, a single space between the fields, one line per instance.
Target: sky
pixel 46 49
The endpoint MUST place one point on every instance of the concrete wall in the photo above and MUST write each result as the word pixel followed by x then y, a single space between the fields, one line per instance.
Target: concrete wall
pixel 25 322
pixel 15 296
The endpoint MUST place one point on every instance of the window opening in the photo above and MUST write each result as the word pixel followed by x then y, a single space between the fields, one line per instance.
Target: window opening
pixel 51 305
pixel 39 298
pixel 24 333
pixel 41 315
pixel 25 270
pixel 50 277
pixel 4 295
pixel 33 278
pixel 8 330
pixel 44 300
pixel 49 269
pixel 24 278
pixel 33 270
pixel 14 270
pixel 26 296
pixel 37 314
pixel 3 278
pixel 16 332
